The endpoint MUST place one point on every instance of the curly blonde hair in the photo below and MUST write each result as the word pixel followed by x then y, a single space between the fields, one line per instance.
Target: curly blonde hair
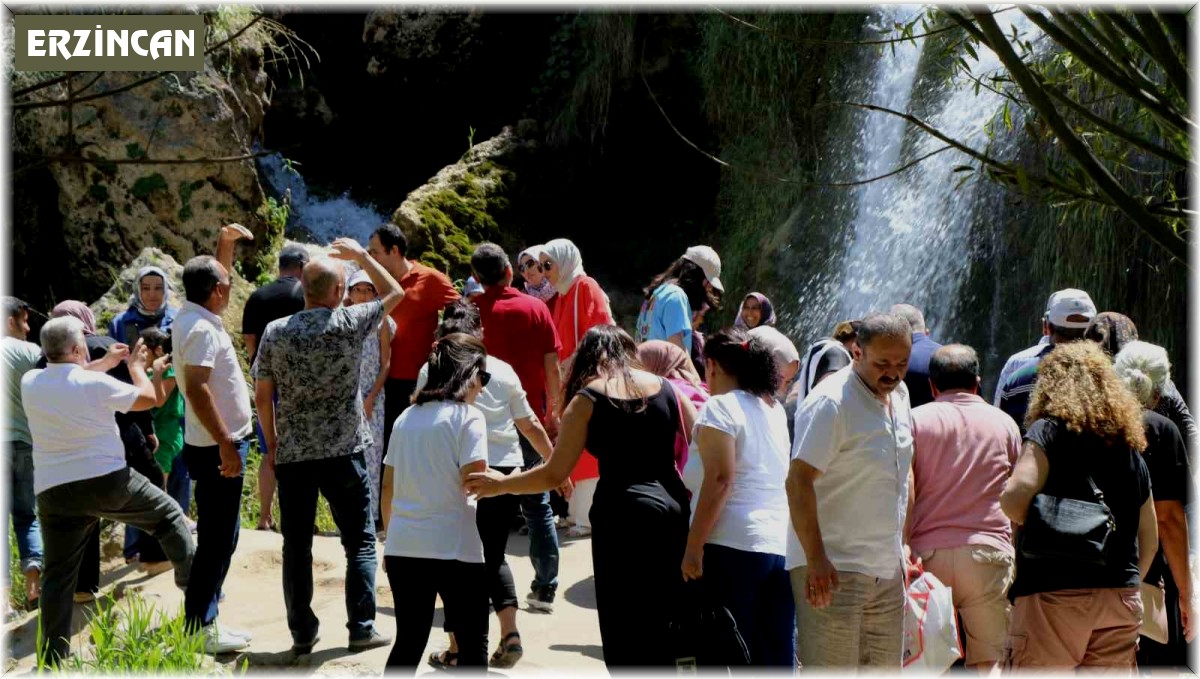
pixel 1077 385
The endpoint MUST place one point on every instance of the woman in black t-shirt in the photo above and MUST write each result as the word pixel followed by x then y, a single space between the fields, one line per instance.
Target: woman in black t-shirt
pixel 1082 423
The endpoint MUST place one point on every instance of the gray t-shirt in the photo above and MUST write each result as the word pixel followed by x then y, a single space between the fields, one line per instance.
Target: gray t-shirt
pixel 313 357
pixel 19 358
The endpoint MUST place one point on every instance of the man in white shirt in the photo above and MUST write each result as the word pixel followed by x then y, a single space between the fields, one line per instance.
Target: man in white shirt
pixel 848 494
pixel 217 431
pixel 80 473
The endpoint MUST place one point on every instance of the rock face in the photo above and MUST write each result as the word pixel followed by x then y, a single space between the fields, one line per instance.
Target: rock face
pixel 443 39
pixel 108 212
pixel 467 203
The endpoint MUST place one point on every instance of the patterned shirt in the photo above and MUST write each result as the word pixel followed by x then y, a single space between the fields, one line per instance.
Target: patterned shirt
pixel 313 357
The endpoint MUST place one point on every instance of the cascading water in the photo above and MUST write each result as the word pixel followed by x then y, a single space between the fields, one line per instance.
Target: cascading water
pixel 322 219
pixel 910 231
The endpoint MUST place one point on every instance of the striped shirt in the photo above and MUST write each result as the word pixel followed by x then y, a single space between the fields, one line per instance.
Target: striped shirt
pixel 1016 392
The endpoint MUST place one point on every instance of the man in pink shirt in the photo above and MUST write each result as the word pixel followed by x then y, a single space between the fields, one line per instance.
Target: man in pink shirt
pixel 963 452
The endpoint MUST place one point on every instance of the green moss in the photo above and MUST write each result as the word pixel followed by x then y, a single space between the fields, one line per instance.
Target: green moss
pixel 144 186
pixel 99 192
pixel 185 197
pixel 110 210
pixel 134 151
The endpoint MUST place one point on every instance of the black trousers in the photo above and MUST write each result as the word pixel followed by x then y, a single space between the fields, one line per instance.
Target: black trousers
pixel 494 518
pixel 463 590
pixel 396 399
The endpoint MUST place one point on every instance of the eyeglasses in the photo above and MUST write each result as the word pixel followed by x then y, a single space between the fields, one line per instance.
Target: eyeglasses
pixel 484 378
pixel 547 265
pixel 531 264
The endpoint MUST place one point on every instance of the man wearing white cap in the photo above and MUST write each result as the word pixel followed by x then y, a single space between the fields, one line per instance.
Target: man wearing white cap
pixel 675 295
pixel 1067 317
pixel 1025 356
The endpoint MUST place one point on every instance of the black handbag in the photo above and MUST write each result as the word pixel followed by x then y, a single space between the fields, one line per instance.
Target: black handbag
pixel 704 636
pixel 1068 529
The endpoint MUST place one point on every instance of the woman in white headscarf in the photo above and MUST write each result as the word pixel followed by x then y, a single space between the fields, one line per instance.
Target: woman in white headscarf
pixel 581 303
pixel 148 305
pixel 535 283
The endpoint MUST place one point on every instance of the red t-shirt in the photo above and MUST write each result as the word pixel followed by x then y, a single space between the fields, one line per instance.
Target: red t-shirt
pixel 426 292
pixel 518 330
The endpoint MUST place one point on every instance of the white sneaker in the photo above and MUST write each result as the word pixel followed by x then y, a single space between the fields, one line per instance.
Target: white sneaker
pixel 578 531
pixel 218 641
pixel 233 632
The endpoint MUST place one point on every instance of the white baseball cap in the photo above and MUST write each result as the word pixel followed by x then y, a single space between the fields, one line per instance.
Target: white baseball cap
pixel 707 259
pixel 1067 303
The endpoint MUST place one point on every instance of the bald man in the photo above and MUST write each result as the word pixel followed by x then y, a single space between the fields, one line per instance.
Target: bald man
pixel 317 435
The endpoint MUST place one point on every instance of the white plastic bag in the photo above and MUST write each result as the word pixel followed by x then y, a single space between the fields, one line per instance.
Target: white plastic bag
pixel 931 642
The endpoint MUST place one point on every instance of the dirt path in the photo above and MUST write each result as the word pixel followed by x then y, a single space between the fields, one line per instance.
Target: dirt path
pixel 568 639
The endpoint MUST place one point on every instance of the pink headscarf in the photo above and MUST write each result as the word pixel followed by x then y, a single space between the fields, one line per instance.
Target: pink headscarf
pixel 79 310
pixel 667 360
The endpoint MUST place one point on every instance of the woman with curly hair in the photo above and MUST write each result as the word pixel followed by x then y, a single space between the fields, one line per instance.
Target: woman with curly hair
pixel 1085 431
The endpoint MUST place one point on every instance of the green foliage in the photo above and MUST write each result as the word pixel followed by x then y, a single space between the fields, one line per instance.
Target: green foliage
pixel 275 215
pixel 144 186
pixel 134 151
pixel 452 220
pixel 470 138
pixel 135 637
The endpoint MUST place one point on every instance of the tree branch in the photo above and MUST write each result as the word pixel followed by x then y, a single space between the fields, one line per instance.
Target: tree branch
pixel 782 180
pixel 844 43
pixel 1160 49
pixel 1104 67
pixel 1119 131
pixel 1158 230
pixel 149 161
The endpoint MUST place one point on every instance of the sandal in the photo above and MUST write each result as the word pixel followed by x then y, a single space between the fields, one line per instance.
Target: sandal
pixel 444 660
pixel 506 654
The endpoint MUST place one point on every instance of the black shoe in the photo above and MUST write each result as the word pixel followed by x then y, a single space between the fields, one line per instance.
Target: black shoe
pixel 541 599
pixel 305 649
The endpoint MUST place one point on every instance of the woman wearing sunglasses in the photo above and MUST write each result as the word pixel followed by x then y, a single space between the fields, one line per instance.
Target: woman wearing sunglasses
pixel 581 306
pixel 433 547
pixel 535 283
pixel 505 412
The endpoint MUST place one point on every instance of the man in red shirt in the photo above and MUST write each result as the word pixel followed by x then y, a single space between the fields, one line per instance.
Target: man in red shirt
pixel 426 292
pixel 518 329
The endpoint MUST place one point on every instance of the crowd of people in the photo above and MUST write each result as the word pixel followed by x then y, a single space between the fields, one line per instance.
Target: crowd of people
pixel 800 491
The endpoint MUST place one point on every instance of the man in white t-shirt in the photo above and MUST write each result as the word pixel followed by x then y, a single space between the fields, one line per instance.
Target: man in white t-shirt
pixel 848 495
pixel 217 431
pixel 80 473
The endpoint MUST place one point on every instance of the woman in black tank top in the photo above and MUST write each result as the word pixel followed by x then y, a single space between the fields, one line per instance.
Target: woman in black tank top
pixel 640 513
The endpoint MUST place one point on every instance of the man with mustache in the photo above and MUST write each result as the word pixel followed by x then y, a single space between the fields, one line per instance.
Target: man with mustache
pixel 848 489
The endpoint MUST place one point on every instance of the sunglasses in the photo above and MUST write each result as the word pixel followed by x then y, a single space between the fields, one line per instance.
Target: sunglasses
pixel 484 378
pixel 546 266
pixel 531 264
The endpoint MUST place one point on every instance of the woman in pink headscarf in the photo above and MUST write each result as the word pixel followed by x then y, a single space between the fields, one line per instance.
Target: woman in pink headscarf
pixel 670 361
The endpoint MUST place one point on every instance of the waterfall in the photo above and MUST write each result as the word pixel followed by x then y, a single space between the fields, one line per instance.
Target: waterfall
pixel 909 236
pixel 321 219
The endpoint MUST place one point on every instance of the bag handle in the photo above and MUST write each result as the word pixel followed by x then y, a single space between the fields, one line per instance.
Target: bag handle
pixel 1112 520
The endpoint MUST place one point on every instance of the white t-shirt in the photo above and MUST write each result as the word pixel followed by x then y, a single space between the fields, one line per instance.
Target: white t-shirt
pixel 755 516
pixel 199 338
pixel 71 417
pixel 502 402
pixel 864 454
pixel 432 518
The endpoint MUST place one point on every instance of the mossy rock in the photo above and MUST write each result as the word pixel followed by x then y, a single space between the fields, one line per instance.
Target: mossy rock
pixel 464 204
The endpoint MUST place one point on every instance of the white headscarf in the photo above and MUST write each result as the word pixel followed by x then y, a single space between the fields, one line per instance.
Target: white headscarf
pixel 569 261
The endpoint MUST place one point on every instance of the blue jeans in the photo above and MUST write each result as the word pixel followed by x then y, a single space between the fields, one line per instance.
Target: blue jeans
pixel 218 523
pixel 22 505
pixel 344 483
pixel 543 539
pixel 757 590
